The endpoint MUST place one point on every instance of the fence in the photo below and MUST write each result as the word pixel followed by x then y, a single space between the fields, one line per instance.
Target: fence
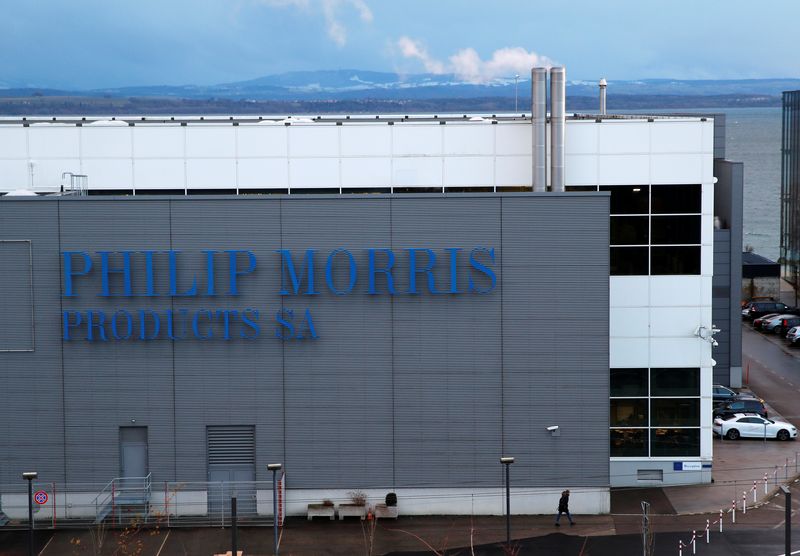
pixel 138 500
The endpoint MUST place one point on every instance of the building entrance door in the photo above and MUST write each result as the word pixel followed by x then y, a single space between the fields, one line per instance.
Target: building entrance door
pixel 133 452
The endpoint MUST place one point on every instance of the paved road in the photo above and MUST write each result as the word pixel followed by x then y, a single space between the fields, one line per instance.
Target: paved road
pixel 774 371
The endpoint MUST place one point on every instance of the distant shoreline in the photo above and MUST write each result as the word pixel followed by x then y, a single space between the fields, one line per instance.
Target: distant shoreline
pixel 34 105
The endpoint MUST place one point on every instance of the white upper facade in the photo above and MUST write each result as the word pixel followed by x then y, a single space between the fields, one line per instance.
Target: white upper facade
pixel 357 154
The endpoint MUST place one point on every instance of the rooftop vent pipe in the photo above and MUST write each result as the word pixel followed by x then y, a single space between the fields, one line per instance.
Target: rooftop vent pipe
pixel 603 86
pixel 558 106
pixel 539 120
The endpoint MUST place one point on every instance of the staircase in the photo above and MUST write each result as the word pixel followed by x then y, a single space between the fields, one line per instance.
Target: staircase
pixel 3 518
pixel 124 500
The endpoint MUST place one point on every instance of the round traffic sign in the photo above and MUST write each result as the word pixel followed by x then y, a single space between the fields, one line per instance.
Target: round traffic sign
pixel 40 497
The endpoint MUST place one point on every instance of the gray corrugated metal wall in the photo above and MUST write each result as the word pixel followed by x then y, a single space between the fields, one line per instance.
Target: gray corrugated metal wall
pixel 397 391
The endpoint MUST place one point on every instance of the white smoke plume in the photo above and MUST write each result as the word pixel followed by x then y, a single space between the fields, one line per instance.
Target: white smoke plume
pixel 468 65
pixel 330 10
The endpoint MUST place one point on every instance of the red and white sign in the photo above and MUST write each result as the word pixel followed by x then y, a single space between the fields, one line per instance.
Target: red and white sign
pixel 40 497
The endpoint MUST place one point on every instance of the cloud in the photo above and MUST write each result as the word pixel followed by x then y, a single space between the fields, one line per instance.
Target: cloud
pixel 330 10
pixel 468 65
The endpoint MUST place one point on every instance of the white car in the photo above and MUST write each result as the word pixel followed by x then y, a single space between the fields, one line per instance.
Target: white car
pixel 793 336
pixel 752 425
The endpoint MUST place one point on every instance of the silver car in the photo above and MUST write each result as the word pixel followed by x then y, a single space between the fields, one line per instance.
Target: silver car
pixel 753 425
pixel 793 336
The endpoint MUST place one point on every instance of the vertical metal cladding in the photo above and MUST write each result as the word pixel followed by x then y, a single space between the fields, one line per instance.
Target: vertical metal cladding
pixel 557 126
pixel 539 121
pixel 603 85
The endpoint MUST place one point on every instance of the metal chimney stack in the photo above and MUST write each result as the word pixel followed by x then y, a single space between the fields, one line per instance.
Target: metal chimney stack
pixel 603 86
pixel 539 120
pixel 558 107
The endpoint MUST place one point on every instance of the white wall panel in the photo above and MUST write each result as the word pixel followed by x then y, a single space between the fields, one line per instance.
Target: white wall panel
pixel 313 140
pixel 675 352
pixel 109 173
pixel 13 175
pixel 210 141
pixel 580 169
pixel 54 141
pixel 417 139
pixel 674 321
pixel 623 136
pixel 367 172
pixel 366 140
pixel 106 142
pixel 513 171
pixel 262 140
pixel 707 260
pixel 669 136
pixel 628 352
pixel 159 142
pixel 515 139
pixel 159 173
pixel 677 168
pixel 468 171
pixel 629 291
pixel 629 322
pixel 707 192
pixel 707 230
pixel 581 137
pixel 469 139
pixel 47 173
pixel 624 169
pixel 417 172
pixel 13 142
pixel 257 173
pixel 210 173
pixel 314 172
pixel 672 291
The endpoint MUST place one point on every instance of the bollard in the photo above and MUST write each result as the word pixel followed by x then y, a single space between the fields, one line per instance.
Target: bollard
pixel 680 548
pixel 744 502
pixel 754 492
pixel 708 533
pixel 765 484
pixel 733 511
pixel 786 470
pixel 694 542
pixel 775 476
pixel 720 521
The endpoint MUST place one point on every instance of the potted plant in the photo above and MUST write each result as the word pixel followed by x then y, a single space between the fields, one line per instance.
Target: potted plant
pixel 357 507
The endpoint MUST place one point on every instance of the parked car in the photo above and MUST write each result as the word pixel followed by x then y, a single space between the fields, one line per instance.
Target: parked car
pixel 741 405
pixel 759 322
pixel 760 308
pixel 793 336
pixel 723 394
pixel 751 425
pixel 780 325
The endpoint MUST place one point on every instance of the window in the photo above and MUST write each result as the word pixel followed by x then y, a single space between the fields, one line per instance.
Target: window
pixel 655 412
pixel 655 230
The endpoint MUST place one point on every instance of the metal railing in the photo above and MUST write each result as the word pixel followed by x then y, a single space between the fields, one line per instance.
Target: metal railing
pixel 138 501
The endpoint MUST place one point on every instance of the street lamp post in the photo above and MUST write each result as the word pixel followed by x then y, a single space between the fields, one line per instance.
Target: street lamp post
pixel 275 467
pixel 516 88
pixel 507 461
pixel 30 476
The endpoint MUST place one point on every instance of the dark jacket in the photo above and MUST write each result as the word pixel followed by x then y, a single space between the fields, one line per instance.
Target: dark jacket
pixel 563 503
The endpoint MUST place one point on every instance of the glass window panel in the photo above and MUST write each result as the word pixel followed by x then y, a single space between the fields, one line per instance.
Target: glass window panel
pixel 675 260
pixel 628 382
pixel 675 229
pixel 629 230
pixel 675 412
pixel 629 413
pixel 675 382
pixel 674 442
pixel 628 199
pixel 580 188
pixel 628 442
pixel 629 261
pixel 677 199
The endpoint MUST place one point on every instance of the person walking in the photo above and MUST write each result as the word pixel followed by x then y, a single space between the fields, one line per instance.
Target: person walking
pixel 563 508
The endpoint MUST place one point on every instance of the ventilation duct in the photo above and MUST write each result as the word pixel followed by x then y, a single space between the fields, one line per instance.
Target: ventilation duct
pixel 558 105
pixel 539 120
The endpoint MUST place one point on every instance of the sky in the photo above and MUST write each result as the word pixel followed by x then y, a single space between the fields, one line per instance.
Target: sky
pixel 83 44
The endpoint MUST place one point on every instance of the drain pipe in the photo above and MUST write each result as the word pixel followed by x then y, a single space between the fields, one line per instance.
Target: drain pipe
pixel 603 86
pixel 558 106
pixel 539 121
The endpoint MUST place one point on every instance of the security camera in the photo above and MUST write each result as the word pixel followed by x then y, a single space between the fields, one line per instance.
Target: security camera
pixel 714 342
pixel 553 428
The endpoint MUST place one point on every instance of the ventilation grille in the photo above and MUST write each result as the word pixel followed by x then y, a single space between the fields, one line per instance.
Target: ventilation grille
pixel 232 445
pixel 650 475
